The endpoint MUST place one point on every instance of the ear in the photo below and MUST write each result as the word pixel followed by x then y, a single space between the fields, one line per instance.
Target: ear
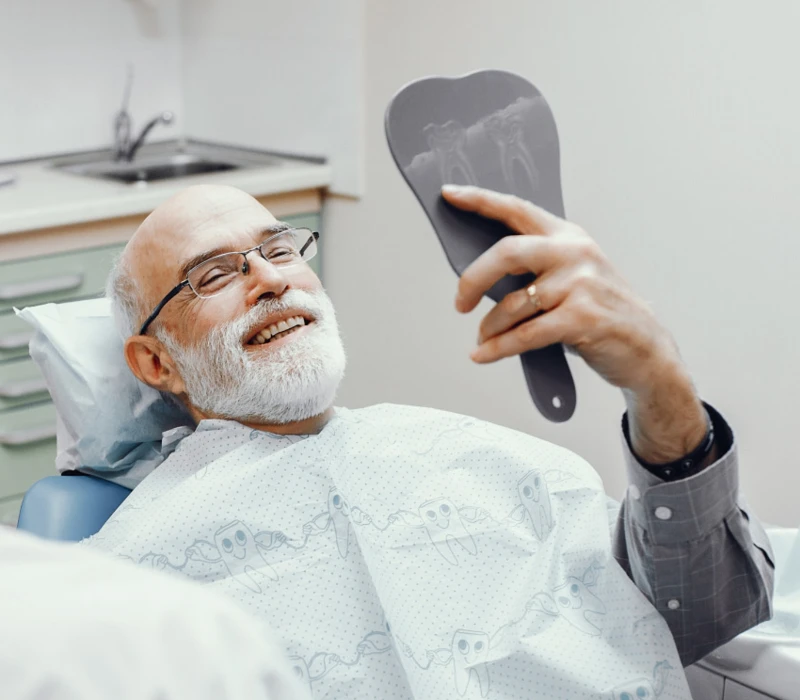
pixel 151 364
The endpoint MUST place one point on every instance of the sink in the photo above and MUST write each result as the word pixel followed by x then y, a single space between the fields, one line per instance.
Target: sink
pixel 150 170
pixel 165 161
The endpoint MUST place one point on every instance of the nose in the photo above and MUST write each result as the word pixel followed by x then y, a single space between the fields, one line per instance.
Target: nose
pixel 263 279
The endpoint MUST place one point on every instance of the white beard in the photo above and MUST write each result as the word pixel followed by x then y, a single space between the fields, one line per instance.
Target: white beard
pixel 290 383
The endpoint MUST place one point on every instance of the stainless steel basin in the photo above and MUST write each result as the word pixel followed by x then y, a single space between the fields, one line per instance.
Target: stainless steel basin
pixel 149 170
pixel 165 161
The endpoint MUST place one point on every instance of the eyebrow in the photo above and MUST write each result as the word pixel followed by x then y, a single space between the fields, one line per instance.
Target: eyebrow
pixel 263 234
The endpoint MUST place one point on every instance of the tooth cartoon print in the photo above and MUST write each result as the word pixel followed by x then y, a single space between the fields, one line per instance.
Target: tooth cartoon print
pixel 575 601
pixel 644 688
pixel 444 526
pixel 470 652
pixel 339 512
pixel 240 553
pixel 535 498
pixel 300 668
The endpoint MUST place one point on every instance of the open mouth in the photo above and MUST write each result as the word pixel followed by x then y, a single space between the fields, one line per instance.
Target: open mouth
pixel 276 331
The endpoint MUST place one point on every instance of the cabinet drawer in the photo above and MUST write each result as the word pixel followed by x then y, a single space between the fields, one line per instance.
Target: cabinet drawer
pixel 15 335
pixel 21 383
pixel 9 510
pixel 27 447
pixel 55 277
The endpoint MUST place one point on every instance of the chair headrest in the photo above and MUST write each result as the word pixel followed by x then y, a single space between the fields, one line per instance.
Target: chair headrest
pixel 110 423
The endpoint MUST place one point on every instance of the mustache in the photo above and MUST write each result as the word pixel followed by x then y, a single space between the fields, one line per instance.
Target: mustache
pixel 299 300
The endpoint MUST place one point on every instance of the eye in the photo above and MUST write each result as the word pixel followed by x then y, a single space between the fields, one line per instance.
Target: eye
pixel 478 646
pixel 281 251
pixel 444 509
pixel 574 589
pixel 214 279
pixel 227 545
pixel 431 515
pixel 536 482
pixel 641 692
pixel 277 253
pixel 625 696
pixel 527 491
pixel 337 500
pixel 298 671
pixel 240 537
pixel 463 646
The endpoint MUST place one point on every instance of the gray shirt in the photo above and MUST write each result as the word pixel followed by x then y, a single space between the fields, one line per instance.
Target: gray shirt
pixel 695 549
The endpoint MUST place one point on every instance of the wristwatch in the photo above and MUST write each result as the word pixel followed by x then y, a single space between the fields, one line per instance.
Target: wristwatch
pixel 682 468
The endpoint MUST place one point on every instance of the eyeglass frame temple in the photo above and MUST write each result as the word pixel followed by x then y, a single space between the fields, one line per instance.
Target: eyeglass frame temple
pixel 178 288
pixel 314 237
pixel 173 293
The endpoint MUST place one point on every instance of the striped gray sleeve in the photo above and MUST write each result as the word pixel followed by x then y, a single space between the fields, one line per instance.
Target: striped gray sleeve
pixel 695 549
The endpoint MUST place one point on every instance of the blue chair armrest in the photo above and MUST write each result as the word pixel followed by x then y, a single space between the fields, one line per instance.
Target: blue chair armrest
pixel 69 508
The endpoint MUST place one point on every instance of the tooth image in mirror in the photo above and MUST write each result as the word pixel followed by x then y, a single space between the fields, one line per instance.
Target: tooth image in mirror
pixel 445 527
pixel 339 512
pixel 242 557
pixel 535 497
pixel 447 143
pixel 470 652
pixel 506 132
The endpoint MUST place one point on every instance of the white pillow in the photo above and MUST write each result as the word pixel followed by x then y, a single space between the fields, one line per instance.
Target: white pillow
pixel 110 423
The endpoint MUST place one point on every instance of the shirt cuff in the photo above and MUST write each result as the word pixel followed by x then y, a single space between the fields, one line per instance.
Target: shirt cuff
pixel 686 509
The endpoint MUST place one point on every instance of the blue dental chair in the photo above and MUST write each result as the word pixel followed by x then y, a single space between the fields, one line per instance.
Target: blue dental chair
pixel 69 507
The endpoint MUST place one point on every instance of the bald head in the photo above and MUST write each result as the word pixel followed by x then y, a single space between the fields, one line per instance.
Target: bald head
pixel 150 265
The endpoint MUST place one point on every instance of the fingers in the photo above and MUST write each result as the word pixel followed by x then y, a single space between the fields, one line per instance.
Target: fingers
pixel 512 255
pixel 516 213
pixel 519 305
pixel 538 332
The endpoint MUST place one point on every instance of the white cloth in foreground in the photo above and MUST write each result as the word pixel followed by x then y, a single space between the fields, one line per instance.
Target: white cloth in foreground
pixel 75 625
pixel 408 553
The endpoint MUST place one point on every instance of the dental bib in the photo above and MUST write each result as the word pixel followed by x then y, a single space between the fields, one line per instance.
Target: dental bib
pixel 407 553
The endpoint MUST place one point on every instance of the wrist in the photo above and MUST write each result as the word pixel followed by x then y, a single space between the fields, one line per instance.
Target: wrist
pixel 666 418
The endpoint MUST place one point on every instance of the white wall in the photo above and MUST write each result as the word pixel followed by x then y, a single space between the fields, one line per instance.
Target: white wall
pixel 278 75
pixel 63 66
pixel 680 136
pixel 680 146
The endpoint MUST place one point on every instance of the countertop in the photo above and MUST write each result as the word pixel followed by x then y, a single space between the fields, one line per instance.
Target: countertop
pixel 44 197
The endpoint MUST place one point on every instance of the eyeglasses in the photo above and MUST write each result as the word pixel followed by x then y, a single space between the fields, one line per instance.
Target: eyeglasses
pixel 227 271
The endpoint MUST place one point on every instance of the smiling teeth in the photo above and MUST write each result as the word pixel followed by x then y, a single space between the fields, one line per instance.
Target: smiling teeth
pixel 267 334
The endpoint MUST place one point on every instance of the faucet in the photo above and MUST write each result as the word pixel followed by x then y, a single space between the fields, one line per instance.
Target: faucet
pixel 130 152
pixel 123 148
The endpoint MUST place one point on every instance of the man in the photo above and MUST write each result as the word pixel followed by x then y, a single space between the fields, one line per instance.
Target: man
pixel 76 625
pixel 408 553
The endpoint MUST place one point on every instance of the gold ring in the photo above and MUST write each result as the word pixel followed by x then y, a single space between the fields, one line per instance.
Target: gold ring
pixel 534 297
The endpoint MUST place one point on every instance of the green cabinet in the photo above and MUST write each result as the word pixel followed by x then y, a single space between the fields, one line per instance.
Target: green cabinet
pixel 55 277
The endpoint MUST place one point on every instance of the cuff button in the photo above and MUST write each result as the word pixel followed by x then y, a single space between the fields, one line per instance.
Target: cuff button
pixel 663 513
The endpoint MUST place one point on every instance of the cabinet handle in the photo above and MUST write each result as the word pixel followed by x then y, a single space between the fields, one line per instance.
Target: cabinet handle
pixel 16 390
pixel 9 292
pixel 16 341
pixel 28 436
